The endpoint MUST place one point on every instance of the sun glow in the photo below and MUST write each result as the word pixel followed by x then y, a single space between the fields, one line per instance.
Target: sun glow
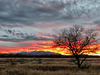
pixel 44 47
pixel 61 50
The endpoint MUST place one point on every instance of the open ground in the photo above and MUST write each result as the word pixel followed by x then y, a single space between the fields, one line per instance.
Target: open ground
pixel 46 66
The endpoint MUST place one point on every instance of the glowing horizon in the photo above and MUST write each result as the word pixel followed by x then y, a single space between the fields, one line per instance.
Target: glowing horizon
pixel 45 48
pixel 32 25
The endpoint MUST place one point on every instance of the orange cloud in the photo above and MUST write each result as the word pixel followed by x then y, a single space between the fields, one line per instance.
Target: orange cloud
pixel 40 47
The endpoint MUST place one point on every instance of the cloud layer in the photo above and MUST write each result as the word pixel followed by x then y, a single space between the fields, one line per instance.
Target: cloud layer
pixel 25 20
pixel 14 13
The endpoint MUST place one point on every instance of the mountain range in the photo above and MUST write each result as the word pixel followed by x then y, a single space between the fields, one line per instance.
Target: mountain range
pixel 36 53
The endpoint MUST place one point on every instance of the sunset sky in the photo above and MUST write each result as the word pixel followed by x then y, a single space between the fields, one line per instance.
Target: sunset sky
pixel 32 25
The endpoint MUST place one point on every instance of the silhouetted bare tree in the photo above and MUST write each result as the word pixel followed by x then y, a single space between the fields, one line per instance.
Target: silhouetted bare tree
pixel 77 41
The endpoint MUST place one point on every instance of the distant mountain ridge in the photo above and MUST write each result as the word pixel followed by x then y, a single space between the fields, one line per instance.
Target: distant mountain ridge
pixel 36 53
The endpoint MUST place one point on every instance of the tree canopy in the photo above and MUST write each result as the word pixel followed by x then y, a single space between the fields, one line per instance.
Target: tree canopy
pixel 78 41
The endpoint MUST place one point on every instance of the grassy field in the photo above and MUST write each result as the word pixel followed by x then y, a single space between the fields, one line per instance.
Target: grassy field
pixel 46 66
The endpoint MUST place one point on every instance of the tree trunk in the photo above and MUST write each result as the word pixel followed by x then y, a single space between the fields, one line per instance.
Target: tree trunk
pixel 78 64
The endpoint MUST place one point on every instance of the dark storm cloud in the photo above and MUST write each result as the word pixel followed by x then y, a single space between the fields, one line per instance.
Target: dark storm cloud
pixel 28 38
pixel 19 37
pixel 5 36
pixel 26 12
pixel 22 13
pixel 19 12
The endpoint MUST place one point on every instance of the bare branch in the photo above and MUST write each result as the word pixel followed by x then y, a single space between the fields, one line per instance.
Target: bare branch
pixel 78 41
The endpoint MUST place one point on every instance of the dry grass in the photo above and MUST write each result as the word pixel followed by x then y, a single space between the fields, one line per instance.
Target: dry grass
pixel 46 66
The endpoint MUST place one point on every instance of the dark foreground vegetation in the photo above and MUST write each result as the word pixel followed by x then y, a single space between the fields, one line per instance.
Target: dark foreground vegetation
pixel 42 56
pixel 47 66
